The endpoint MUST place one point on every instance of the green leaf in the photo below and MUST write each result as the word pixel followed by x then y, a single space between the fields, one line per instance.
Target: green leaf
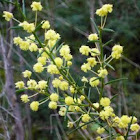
pixel 114 97
pixel 89 93
pixel 59 47
pixel 129 128
pixel 107 43
pixel 16 27
pixel 67 109
pixel 108 30
pixel 20 90
pixel 23 7
pixel 55 46
pixel 96 27
pixel 109 65
pixel 39 26
pixel 117 80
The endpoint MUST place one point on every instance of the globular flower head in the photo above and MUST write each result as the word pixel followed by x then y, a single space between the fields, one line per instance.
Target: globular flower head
pixel 95 52
pixel 27 74
pixel 84 50
pixel 124 121
pixel 104 10
pixel 70 125
pixel 82 97
pixel 52 105
pixel 58 61
pixel 24 98
pixel 7 15
pixel 94 81
pixel 42 60
pixel 36 6
pixel 65 49
pixel 24 45
pixel 92 61
pixel 105 101
pixel 64 85
pixel 56 82
pixel 31 84
pixel 52 69
pixel 34 105
pixel 17 40
pixel 84 79
pixel 42 84
pixel 100 130
pixel 54 97
pixel 102 73
pixel 134 127
pixel 116 51
pixel 46 25
pixel 19 84
pixel 69 100
pixel 33 47
pixel 93 37
pixel 85 118
pixel 38 67
pixel 62 111
pixel 85 67
pixel 51 35
pixel 29 27
pixel 120 138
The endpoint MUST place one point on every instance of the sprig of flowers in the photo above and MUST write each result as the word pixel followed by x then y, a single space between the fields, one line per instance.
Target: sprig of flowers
pixel 75 99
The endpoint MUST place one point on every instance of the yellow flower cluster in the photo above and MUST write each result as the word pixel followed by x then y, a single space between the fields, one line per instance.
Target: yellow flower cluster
pixel 54 97
pixel 19 84
pixel 102 73
pixel 120 138
pixel 34 105
pixel 100 130
pixel 65 52
pixel 29 27
pixel 116 51
pixel 46 25
pixel 24 98
pixel 52 69
pixel 85 67
pixel 105 101
pixel 86 118
pixel 62 111
pixel 36 6
pixel 52 105
pixel 42 84
pixel 104 10
pixel 7 15
pixel 27 74
pixel 84 50
pixel 69 100
pixel 38 67
pixel 94 81
pixel 51 35
pixel 93 37
pixel 31 84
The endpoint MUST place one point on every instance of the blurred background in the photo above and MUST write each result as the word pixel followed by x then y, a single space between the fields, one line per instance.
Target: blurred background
pixel 71 18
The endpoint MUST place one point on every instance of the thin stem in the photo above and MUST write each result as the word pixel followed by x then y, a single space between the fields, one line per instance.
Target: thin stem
pixel 35 18
pixel 16 20
pixel 44 101
pixel 94 72
pixel 104 21
pixel 33 95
